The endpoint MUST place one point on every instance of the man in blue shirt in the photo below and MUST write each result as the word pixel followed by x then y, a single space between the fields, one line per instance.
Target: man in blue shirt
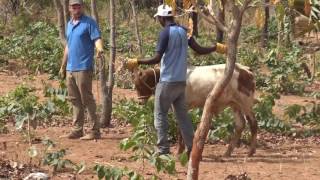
pixel 171 52
pixel 82 36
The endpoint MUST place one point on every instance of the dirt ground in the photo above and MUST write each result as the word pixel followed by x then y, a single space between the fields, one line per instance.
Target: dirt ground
pixel 276 158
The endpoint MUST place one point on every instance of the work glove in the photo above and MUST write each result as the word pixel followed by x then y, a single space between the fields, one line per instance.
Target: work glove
pixel 99 48
pixel 62 72
pixel 132 63
pixel 221 48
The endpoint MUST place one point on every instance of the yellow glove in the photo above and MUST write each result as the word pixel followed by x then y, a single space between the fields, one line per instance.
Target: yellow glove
pixel 221 48
pixel 99 47
pixel 132 63
pixel 62 72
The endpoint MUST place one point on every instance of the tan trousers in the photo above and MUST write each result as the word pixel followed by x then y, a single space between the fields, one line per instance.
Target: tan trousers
pixel 79 86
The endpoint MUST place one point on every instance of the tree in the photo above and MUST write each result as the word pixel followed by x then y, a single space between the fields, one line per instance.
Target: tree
pixel 136 26
pixel 264 33
pixel 193 16
pixel 66 13
pixel 61 23
pixel 210 107
pixel 220 17
pixel 107 101
pixel 94 12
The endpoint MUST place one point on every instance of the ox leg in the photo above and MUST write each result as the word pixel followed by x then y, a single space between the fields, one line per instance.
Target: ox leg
pixel 254 130
pixel 239 126
pixel 180 143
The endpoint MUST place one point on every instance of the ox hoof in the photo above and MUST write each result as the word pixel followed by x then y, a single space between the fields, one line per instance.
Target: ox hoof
pixel 238 144
pixel 251 152
pixel 227 154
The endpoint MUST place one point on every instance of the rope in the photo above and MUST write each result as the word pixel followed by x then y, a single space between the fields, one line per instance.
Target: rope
pixel 152 89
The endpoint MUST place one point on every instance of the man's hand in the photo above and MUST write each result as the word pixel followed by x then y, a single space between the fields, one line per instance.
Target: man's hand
pixel 62 72
pixel 99 47
pixel 132 63
pixel 100 53
pixel 221 48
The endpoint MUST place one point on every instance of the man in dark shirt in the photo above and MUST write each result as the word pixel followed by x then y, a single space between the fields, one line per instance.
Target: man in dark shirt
pixel 171 52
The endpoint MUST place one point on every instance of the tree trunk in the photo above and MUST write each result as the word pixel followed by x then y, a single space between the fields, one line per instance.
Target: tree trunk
pixel 136 26
pixel 61 24
pixel 264 35
pixel 211 106
pixel 94 12
pixel 107 105
pixel 194 18
pixel 221 18
pixel 15 6
pixel 66 13
pixel 280 35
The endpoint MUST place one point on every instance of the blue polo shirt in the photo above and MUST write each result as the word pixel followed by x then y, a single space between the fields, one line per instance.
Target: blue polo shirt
pixel 173 47
pixel 81 38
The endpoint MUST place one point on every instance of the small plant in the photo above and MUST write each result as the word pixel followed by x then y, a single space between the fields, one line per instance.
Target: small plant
pixel 115 173
pixel 265 117
pixel 286 76
pixel 143 139
pixel 57 162
pixel 58 98
pixel 37 45
pixel 307 115
pixel 222 126
pixel 23 106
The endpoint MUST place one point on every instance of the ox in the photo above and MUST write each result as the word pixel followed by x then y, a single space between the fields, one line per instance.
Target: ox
pixel 239 95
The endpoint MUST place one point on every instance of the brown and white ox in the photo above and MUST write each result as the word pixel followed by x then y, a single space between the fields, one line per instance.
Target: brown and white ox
pixel 239 95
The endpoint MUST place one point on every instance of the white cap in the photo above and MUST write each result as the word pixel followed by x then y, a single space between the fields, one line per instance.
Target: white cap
pixel 164 10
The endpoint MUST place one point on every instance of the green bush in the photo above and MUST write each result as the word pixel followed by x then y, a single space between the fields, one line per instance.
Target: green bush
pixel 265 117
pixel 306 115
pixel 286 73
pixel 37 46
pixel 115 173
pixel 22 106
pixel 58 99
pixel 222 126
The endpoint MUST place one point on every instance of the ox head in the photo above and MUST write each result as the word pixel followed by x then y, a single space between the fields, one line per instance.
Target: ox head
pixel 145 82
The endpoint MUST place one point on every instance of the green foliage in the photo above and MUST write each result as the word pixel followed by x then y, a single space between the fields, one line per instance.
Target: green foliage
pixel 56 159
pixel 249 57
pixel 163 163
pixel 251 34
pixel 265 117
pixel 307 115
pixel 22 20
pixel 183 158
pixel 57 162
pixel 115 173
pixel 315 12
pixel 3 127
pixel 222 126
pixel 143 139
pixel 142 118
pixel 57 99
pixel 286 74
pixel 37 45
pixel 22 105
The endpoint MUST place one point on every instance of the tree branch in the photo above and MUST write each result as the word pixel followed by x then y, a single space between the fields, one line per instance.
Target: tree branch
pixel 245 6
pixel 206 13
